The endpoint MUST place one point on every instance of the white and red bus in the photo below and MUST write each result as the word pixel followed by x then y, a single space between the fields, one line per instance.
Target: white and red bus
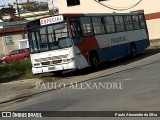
pixel 76 41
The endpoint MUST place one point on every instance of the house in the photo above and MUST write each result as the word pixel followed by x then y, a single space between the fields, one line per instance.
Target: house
pixel 13 34
pixel 13 38
pixel 151 10
pixel 53 6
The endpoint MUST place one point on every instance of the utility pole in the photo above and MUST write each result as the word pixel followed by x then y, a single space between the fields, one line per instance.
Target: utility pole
pixel 53 7
pixel 18 8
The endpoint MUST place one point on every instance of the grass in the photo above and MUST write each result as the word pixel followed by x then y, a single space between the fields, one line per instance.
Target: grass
pixel 19 69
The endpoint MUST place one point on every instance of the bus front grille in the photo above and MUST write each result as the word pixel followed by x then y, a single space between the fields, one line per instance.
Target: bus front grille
pixel 45 63
pixel 51 62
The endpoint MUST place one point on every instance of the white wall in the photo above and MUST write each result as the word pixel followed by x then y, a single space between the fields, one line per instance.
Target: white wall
pixel 23 43
pixel 90 6
pixel 154 28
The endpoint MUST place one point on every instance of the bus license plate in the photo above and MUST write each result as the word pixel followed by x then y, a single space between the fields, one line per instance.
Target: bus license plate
pixel 51 68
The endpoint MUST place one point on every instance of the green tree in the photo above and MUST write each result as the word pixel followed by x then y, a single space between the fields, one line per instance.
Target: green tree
pixel 7 11
pixel 35 6
pixel 31 6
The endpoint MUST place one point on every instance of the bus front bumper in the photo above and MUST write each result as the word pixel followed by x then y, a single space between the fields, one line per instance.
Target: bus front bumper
pixel 58 67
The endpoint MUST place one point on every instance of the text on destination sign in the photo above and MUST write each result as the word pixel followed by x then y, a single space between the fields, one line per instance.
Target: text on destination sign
pixel 51 20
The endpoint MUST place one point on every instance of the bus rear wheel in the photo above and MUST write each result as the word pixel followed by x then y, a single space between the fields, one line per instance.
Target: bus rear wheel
pixel 133 50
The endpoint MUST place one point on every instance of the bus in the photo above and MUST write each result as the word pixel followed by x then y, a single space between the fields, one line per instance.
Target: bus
pixel 75 41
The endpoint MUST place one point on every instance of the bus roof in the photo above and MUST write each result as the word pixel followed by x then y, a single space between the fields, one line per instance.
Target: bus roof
pixel 58 17
pixel 91 14
pixel 100 14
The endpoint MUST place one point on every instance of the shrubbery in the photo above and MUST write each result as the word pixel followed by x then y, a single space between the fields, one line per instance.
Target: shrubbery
pixel 15 70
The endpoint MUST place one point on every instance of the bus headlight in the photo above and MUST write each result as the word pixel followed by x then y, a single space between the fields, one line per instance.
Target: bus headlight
pixel 68 60
pixel 72 59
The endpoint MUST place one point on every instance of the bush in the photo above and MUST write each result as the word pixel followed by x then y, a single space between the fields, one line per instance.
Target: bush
pixel 15 70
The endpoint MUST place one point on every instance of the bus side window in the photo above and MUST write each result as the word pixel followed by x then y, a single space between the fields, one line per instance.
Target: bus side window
pixel 128 22
pixel 142 21
pixel 34 41
pixel 98 25
pixel 135 22
pixel 109 24
pixel 119 23
pixel 31 46
pixel 76 32
pixel 43 36
pixel 86 26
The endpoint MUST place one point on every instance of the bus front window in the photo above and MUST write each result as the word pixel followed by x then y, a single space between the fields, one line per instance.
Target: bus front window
pixel 50 38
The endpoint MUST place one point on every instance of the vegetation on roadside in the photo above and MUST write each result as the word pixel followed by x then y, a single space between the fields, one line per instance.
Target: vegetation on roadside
pixel 20 70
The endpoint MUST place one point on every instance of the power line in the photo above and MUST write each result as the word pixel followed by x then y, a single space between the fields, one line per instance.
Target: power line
pixel 119 8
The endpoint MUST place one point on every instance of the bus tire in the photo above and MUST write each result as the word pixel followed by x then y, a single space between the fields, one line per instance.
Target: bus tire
pixel 57 73
pixel 133 50
pixel 94 60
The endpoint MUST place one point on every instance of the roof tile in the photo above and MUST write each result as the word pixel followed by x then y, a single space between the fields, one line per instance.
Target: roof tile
pixel 13 29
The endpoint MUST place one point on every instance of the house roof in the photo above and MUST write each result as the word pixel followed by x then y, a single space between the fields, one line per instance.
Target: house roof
pixel 13 29
pixel 15 18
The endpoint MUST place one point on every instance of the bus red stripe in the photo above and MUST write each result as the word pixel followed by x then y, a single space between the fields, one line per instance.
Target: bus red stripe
pixel 88 44
pixel 152 16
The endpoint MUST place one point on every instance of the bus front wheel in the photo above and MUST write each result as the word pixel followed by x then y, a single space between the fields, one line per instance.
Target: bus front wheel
pixel 93 60
pixel 133 50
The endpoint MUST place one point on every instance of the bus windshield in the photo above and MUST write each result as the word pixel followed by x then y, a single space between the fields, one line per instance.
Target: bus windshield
pixel 49 38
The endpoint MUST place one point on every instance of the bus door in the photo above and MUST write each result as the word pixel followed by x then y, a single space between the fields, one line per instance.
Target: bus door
pixel 76 31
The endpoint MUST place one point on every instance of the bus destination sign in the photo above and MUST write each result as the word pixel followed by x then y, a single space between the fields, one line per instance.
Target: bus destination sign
pixel 51 20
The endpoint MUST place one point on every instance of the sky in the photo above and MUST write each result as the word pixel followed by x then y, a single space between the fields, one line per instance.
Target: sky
pixel 2 2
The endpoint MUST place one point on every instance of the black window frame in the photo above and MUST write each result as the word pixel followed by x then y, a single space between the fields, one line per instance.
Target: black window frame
pixel 136 22
pixel 85 34
pixel 142 21
pixel 73 21
pixel 119 25
pixel 106 24
pixel 74 28
pixel 33 30
pixel 102 25
pixel 126 23
pixel 72 2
